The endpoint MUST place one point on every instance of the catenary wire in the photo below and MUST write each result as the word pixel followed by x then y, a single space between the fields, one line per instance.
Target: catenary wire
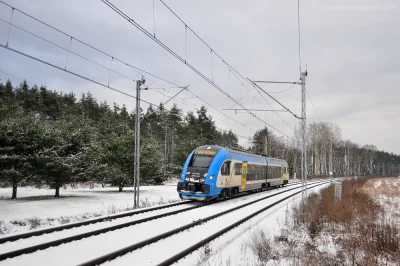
pixel 113 58
pixel 88 45
pixel 234 71
pixel 73 73
pixel 69 51
pixel 213 51
pixel 138 26
pixel 315 110
pixel 8 74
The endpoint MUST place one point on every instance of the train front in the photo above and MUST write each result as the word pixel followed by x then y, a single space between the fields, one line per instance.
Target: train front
pixel 200 172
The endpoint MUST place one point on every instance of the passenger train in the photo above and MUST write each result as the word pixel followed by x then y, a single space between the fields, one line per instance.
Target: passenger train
pixel 214 172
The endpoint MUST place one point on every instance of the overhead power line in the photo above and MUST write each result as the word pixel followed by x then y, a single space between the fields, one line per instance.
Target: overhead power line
pixel 243 126
pixel 147 33
pixel 282 90
pixel 174 95
pixel 8 74
pixel 234 71
pixel 315 110
pixel 255 110
pixel 93 81
pixel 278 82
pixel 73 73
pixel 262 96
pixel 136 69
pixel 88 45
pixel 275 100
pixel 193 106
pixel 249 91
pixel 65 49
pixel 218 110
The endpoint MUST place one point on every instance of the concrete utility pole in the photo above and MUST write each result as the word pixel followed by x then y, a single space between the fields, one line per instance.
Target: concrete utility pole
pixel 136 175
pixel 304 143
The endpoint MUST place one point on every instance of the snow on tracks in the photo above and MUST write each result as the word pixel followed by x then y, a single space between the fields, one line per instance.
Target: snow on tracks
pixel 188 241
pixel 99 244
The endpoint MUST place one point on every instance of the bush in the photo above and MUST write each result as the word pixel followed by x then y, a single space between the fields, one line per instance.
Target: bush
pixel 363 233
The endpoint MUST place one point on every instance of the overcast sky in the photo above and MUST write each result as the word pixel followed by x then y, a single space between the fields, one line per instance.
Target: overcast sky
pixel 351 49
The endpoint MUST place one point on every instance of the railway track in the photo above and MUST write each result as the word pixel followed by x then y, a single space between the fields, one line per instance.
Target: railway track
pixel 108 218
pixel 34 248
pixel 150 241
pixel 87 222
pixel 161 234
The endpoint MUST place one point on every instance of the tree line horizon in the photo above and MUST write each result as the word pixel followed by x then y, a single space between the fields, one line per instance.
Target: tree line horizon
pixel 50 139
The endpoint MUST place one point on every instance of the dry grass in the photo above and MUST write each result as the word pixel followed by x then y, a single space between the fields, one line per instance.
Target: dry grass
pixel 357 230
pixel 389 186
pixel 366 234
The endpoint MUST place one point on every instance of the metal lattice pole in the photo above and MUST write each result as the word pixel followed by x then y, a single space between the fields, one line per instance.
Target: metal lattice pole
pixel 137 146
pixel 304 143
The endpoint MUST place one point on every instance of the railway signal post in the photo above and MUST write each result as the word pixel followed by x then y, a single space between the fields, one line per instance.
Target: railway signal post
pixel 136 175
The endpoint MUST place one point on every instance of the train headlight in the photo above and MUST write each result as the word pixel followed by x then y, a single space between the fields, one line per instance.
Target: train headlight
pixel 205 175
pixel 211 177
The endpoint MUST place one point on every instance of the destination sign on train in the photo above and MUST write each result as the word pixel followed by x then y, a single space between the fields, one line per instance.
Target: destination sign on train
pixel 205 152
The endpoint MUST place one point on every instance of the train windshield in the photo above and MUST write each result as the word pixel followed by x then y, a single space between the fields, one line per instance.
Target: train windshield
pixel 200 161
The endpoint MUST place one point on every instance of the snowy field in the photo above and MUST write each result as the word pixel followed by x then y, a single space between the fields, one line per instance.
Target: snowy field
pixel 37 208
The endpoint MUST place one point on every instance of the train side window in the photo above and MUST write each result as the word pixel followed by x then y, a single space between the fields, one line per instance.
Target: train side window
pixel 225 169
pixel 238 169
pixel 249 175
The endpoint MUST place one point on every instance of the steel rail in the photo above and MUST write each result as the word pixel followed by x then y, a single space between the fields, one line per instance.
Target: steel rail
pixel 93 221
pixel 201 243
pixel 125 250
pixel 87 222
pixel 57 242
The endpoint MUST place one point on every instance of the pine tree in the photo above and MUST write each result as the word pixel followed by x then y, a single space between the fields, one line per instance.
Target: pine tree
pixel 20 140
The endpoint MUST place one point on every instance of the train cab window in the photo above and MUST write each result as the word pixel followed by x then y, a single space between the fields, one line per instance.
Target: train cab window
pixel 238 169
pixel 200 161
pixel 225 169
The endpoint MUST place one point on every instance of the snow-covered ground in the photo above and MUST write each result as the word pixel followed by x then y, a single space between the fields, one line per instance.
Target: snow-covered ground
pixel 37 208
pixel 104 243
pixel 233 248
pixel 386 191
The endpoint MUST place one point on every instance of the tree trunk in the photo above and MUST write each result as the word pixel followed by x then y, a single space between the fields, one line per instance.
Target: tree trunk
pixel 14 190
pixel 57 192
pixel 120 188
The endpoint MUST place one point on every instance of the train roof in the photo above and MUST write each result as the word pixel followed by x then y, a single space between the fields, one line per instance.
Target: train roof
pixel 216 148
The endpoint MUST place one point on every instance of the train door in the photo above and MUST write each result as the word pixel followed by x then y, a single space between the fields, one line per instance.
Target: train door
pixel 224 178
pixel 244 173
pixel 282 174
